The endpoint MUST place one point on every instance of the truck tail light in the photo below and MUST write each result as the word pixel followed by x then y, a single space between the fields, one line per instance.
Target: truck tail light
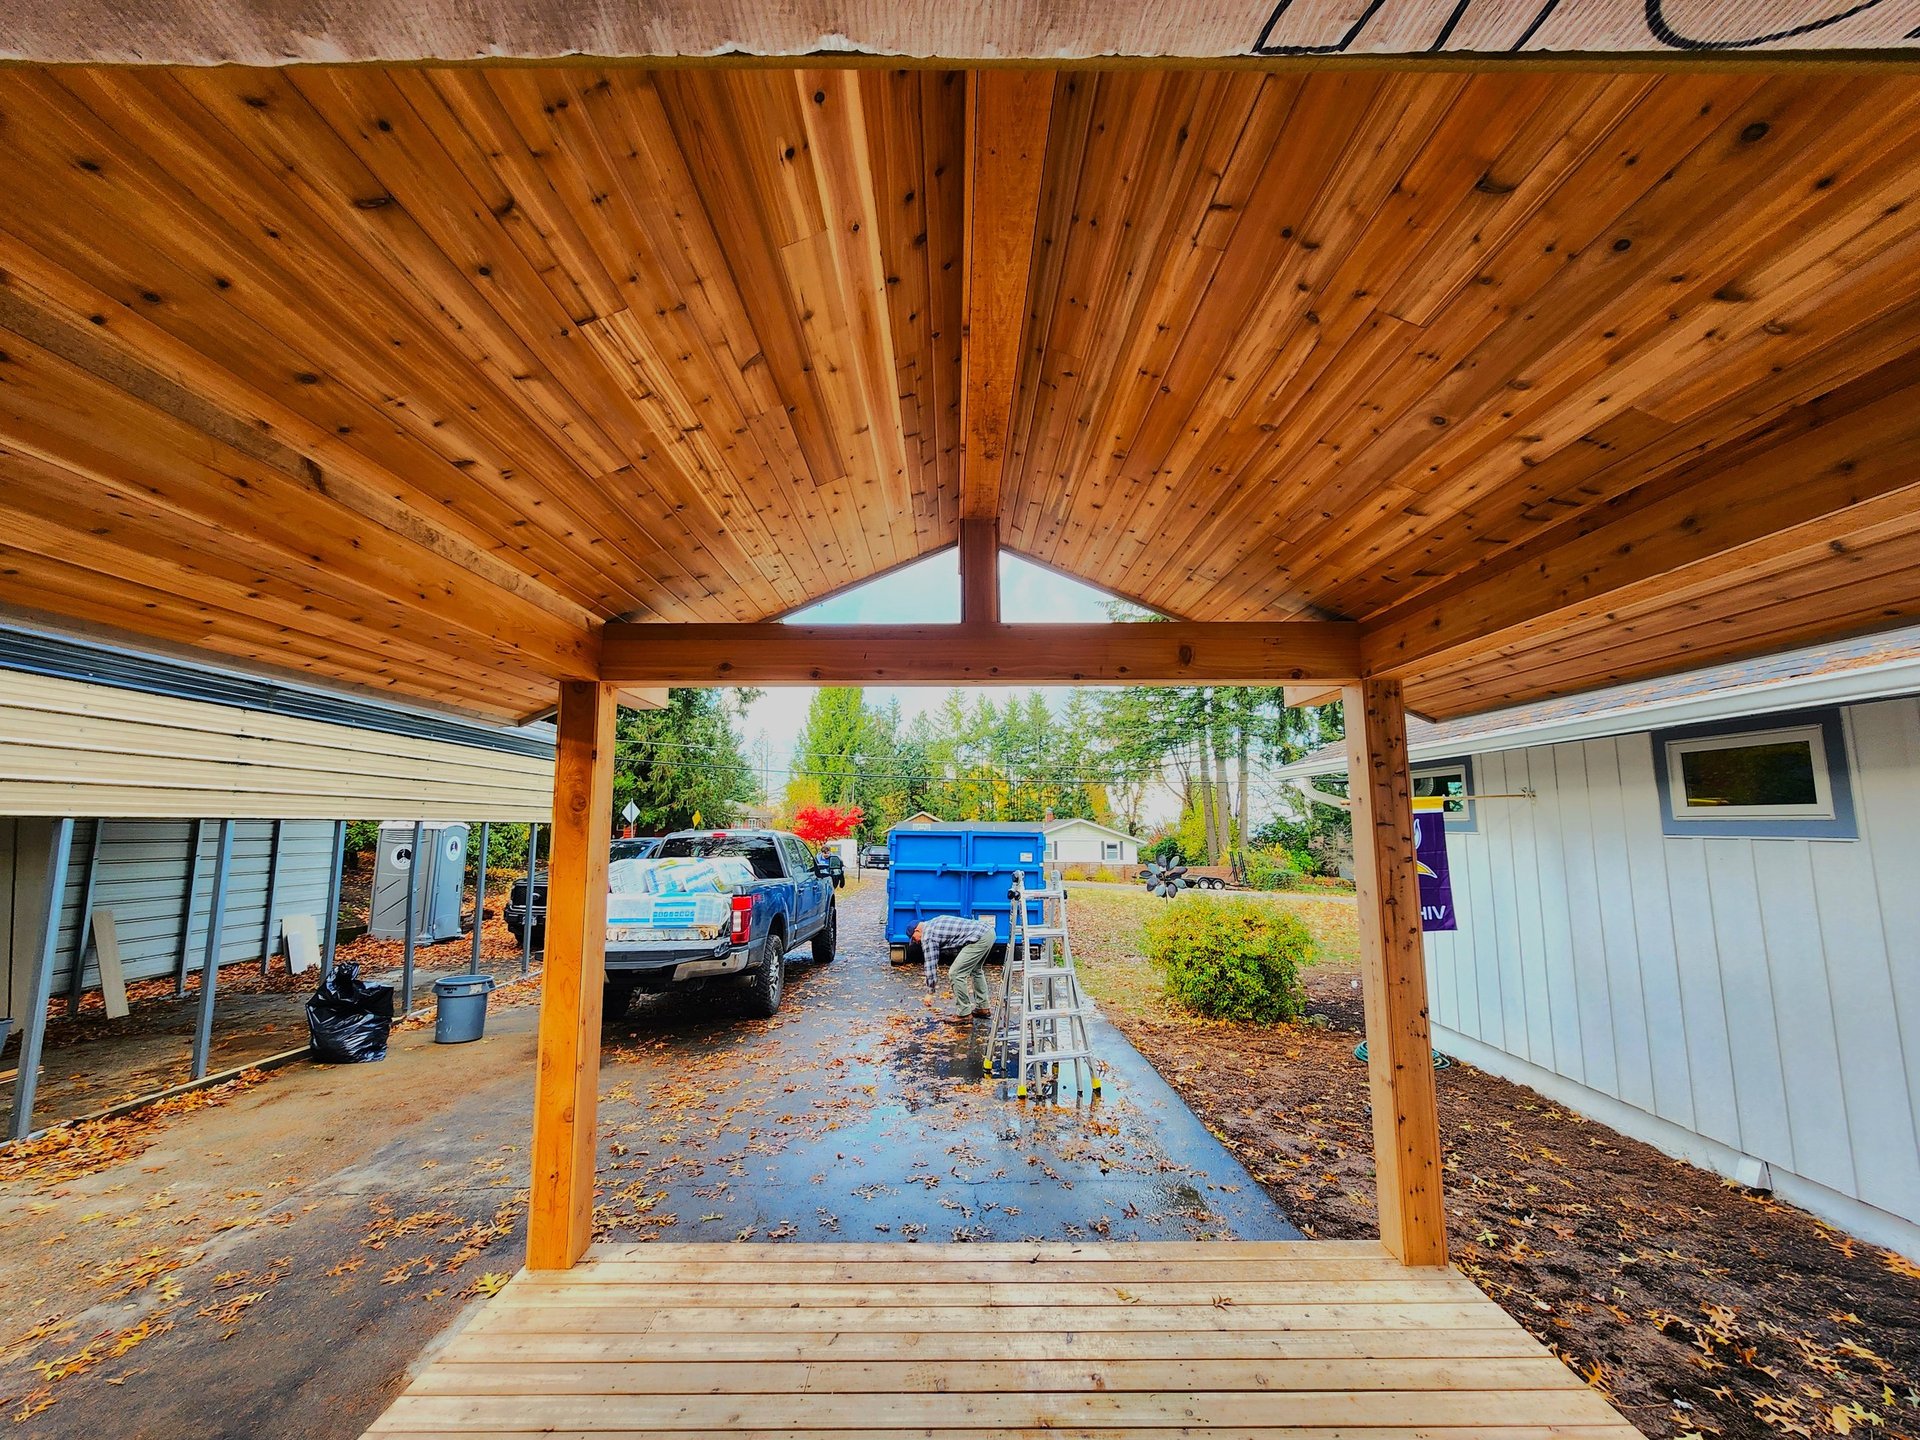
pixel 742 919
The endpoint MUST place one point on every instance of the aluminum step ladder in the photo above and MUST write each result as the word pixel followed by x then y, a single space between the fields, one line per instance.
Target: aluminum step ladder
pixel 1040 1020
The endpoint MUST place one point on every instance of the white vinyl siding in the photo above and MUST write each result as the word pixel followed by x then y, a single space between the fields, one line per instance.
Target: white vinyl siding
pixel 72 748
pixel 1081 842
pixel 1761 992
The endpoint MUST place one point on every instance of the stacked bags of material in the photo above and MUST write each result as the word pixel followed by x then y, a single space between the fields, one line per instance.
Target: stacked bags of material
pixel 675 893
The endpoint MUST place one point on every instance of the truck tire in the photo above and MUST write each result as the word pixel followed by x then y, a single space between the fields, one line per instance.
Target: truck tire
pixel 615 1000
pixel 767 984
pixel 826 940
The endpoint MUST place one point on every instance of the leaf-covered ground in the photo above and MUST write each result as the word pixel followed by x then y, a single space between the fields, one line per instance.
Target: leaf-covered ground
pixel 271 1258
pixel 1698 1308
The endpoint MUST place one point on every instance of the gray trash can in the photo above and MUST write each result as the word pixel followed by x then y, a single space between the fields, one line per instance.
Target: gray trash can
pixel 461 1008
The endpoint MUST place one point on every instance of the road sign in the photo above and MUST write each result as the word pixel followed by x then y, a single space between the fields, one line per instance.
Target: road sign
pixel 630 812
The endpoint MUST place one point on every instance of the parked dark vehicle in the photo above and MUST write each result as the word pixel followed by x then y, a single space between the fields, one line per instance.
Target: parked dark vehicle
pixel 638 848
pixel 875 857
pixel 788 902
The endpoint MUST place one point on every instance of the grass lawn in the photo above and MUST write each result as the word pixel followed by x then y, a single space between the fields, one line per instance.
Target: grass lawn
pixel 1106 939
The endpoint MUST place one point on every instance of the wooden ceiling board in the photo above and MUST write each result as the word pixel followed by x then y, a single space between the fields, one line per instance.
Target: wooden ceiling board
pixel 633 349
pixel 411 377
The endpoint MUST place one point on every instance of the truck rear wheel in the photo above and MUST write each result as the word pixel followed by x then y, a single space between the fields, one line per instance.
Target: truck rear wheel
pixel 615 999
pixel 827 940
pixel 766 985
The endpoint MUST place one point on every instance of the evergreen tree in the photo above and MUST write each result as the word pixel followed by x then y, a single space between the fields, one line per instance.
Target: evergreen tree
pixel 681 761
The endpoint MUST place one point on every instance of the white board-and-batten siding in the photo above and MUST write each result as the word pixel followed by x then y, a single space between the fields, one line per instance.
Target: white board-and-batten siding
pixel 72 748
pixel 1719 997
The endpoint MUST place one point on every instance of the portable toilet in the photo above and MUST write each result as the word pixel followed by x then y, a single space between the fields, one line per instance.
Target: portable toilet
pixel 959 868
pixel 442 884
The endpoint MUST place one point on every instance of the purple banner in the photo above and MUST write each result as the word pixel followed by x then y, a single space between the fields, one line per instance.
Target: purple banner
pixel 1430 861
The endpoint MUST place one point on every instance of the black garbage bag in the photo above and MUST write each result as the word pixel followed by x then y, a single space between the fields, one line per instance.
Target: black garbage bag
pixel 348 1022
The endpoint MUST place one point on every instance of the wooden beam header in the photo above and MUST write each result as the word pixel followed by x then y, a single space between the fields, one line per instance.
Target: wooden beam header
pixel 1160 653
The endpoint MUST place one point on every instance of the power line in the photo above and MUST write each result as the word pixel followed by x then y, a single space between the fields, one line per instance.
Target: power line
pixel 971 773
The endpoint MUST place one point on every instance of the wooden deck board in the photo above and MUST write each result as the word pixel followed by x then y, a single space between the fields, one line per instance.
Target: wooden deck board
pixel 1137 1341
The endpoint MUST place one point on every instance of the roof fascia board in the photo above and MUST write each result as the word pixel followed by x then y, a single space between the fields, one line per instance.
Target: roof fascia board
pixel 1885 681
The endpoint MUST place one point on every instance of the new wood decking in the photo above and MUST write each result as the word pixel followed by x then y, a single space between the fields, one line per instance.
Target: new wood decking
pixel 1331 1338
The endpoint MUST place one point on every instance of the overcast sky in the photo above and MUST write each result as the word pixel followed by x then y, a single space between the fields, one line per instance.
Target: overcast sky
pixel 924 593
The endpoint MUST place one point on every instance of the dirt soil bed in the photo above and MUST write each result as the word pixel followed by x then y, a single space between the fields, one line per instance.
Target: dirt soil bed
pixel 1699 1308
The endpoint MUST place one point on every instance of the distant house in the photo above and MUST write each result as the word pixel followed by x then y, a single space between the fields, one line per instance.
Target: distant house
pixel 1686 908
pixel 1087 842
pixel 918 818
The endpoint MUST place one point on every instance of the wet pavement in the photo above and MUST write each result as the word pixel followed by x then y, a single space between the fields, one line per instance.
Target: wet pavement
pixel 858 1114
pixel 279 1263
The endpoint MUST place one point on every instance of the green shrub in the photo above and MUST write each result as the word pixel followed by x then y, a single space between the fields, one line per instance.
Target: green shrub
pixel 1231 959
pixel 1272 868
pixel 1074 872
pixel 1104 876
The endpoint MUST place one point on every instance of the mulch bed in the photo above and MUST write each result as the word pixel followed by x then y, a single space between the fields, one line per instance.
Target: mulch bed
pixel 1697 1307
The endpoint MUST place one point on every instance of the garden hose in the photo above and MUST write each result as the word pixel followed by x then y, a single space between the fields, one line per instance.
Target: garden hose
pixel 1440 1062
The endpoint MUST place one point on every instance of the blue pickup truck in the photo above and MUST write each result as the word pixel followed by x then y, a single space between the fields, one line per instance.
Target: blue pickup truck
pixel 788 902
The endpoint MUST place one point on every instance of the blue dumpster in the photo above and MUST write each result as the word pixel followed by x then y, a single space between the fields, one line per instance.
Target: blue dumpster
pixel 959 868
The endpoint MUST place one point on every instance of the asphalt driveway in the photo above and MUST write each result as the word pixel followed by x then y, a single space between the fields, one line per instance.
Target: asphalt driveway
pixel 277 1262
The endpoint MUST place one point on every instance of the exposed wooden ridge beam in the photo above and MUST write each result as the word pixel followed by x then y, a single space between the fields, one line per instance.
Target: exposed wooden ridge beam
pixel 1008 113
pixel 1168 653
pixel 1831 469
pixel 979 571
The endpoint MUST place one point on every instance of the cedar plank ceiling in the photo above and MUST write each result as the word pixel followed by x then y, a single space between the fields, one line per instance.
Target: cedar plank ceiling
pixel 407 377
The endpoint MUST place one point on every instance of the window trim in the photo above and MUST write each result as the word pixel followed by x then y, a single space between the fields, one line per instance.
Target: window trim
pixel 1118 855
pixel 1467 820
pixel 1832 779
pixel 1820 808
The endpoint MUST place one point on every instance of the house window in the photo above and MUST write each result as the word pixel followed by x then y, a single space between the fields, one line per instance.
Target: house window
pixel 1763 774
pixel 1109 849
pixel 1782 777
pixel 1452 782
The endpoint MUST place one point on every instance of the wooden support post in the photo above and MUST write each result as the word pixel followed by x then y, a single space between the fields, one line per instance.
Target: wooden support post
pixel 567 1073
pixel 979 572
pixel 1393 976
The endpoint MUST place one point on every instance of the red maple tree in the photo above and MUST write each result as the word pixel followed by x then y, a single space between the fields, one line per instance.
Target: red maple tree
pixel 817 824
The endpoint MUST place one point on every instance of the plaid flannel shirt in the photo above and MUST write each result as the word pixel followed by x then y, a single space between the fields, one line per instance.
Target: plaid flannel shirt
pixel 943 933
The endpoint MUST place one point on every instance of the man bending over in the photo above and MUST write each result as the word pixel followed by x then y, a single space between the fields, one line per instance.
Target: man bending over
pixel 940 935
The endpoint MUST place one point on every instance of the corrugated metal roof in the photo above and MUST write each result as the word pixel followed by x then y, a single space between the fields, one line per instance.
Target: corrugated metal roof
pixel 69 658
